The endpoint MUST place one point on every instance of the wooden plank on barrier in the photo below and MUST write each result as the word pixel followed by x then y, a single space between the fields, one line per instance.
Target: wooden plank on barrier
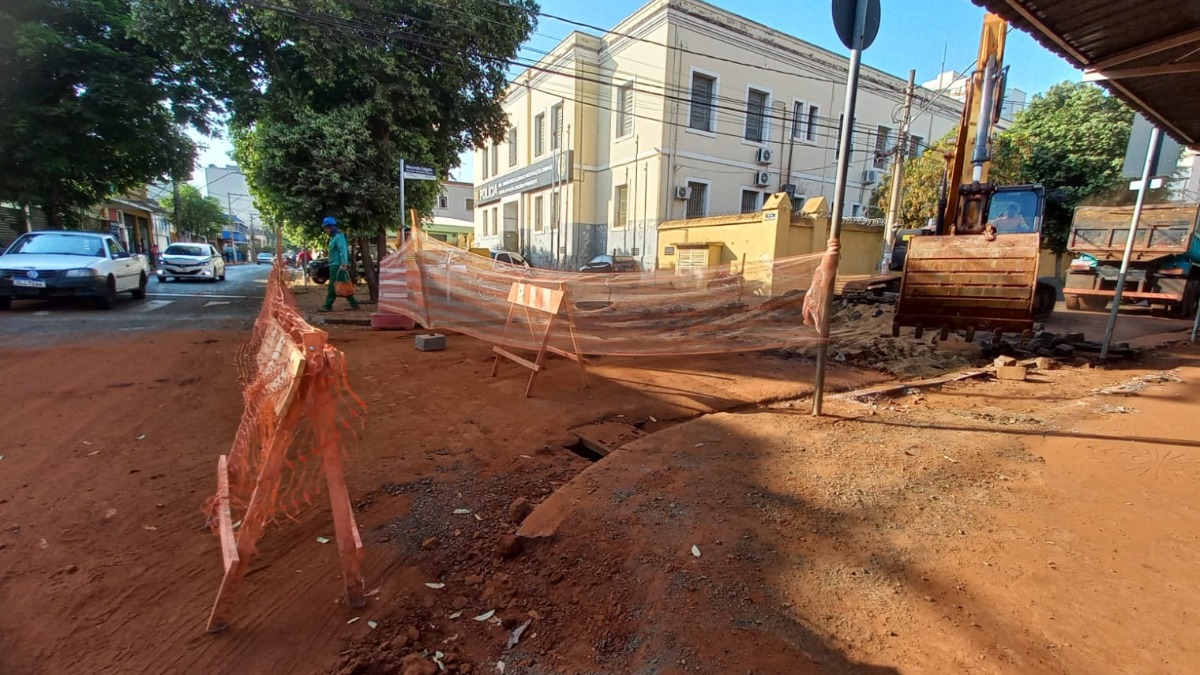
pixel 548 302
pixel 229 554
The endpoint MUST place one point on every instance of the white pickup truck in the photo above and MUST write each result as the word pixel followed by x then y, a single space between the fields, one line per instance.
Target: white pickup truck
pixel 60 263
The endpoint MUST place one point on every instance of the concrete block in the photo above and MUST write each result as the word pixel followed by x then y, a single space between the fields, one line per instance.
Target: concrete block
pixel 389 321
pixel 431 343
pixel 1045 363
pixel 1002 361
pixel 1015 373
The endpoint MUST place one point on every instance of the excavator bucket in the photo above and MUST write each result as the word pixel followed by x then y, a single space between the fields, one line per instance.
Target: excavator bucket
pixel 969 283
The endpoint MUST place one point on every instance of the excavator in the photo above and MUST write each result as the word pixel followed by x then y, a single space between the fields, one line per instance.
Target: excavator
pixel 975 265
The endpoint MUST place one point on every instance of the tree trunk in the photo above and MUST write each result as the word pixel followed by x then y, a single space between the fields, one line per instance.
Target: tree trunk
pixel 369 270
pixel 381 246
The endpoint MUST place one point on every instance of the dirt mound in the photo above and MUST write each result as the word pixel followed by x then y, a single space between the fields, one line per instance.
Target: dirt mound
pixel 861 335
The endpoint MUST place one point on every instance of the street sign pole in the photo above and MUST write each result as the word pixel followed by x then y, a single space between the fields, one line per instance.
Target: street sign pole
pixel 1147 169
pixel 863 28
pixel 402 211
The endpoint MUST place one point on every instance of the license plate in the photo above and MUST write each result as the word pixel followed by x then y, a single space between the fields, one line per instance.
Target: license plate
pixel 29 283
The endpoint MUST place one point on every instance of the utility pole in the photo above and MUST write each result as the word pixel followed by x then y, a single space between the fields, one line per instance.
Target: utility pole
pixel 232 224
pixel 893 214
pixel 177 205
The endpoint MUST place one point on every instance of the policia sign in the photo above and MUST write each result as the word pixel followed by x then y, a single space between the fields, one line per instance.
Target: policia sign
pixel 549 171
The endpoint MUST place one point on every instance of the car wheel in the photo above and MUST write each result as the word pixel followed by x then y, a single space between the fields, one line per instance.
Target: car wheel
pixel 163 280
pixel 222 277
pixel 5 304
pixel 109 296
pixel 139 293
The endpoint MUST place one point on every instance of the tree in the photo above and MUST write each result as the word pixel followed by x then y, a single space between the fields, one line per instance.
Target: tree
pixel 1071 140
pixel 199 216
pixel 86 108
pixel 340 91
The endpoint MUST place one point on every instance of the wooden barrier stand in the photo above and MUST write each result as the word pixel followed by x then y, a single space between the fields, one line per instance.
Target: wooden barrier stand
pixel 307 367
pixel 547 302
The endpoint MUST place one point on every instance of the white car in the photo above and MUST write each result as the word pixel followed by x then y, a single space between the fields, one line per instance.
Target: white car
pixel 57 263
pixel 191 261
pixel 265 258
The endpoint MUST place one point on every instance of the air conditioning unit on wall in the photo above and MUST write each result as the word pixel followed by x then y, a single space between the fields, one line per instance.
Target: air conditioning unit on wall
pixel 683 192
pixel 871 176
pixel 762 178
pixel 763 156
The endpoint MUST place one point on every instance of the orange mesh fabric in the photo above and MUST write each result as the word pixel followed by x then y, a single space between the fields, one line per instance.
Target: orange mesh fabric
pixel 285 412
pixel 699 310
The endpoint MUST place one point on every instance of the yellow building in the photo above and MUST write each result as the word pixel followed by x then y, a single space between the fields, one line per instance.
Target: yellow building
pixel 682 110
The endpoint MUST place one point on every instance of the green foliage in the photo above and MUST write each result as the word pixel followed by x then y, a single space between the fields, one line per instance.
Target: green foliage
pixel 1071 140
pixel 328 97
pixel 86 109
pixel 199 216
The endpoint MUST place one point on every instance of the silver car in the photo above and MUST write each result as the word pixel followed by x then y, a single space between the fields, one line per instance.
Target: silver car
pixel 191 261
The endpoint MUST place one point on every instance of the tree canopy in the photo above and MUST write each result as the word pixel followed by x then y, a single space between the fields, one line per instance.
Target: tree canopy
pixel 327 97
pixel 1070 139
pixel 199 216
pixel 86 108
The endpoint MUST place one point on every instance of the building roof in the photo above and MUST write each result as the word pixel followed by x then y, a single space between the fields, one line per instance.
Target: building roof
pixel 1147 52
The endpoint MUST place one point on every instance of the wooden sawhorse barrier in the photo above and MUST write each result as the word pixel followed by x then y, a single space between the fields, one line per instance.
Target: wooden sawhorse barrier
pixel 549 303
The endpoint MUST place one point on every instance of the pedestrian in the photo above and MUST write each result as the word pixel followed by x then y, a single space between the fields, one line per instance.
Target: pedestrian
pixel 339 263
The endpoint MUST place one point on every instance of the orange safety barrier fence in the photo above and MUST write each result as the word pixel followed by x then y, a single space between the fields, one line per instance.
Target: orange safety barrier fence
pixel 735 307
pixel 298 404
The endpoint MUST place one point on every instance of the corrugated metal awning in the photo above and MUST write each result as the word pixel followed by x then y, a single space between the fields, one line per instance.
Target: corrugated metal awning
pixel 1146 52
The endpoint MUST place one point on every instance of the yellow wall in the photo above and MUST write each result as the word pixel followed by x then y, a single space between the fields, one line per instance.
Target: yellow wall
pixel 761 239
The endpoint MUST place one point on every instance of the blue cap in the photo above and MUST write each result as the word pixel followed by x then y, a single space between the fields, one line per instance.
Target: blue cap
pixel 329 220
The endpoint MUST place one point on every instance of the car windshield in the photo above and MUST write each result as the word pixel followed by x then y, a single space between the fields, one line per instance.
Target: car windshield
pixel 185 249
pixel 59 244
pixel 600 260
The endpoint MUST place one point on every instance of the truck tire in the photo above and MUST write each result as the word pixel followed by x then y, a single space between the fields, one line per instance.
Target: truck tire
pixel 1093 303
pixel 1072 302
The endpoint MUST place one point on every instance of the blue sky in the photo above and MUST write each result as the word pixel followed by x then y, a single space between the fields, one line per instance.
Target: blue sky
pixel 912 34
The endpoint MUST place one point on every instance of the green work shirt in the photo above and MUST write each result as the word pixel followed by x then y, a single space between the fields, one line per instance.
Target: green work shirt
pixel 338 253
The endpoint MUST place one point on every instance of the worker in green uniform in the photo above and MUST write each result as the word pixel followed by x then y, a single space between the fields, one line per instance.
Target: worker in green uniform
pixel 339 262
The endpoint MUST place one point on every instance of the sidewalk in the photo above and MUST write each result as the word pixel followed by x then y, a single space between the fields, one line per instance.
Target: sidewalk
pixel 310 298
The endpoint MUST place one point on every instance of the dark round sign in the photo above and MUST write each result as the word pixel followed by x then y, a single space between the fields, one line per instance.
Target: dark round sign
pixel 843 20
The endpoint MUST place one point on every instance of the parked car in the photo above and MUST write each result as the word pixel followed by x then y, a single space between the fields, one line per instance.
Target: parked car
pixel 511 258
pixel 612 263
pixel 57 264
pixel 265 258
pixel 191 261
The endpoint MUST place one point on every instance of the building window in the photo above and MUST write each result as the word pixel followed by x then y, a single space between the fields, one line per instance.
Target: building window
pixel 443 202
pixel 622 206
pixel 814 118
pixel 538 214
pixel 882 136
pixel 470 205
pixel 856 210
pixel 697 203
pixel 914 146
pixel 495 160
pixel 798 121
pixel 556 126
pixel 512 147
pixel 484 163
pixel 756 116
pixel 625 110
pixel 554 208
pixel 838 138
pixel 703 96
pixel 486 232
pixel 495 220
pixel 539 135
pixel 750 201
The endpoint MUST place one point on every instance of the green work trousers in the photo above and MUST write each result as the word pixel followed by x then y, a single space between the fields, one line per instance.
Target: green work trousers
pixel 338 275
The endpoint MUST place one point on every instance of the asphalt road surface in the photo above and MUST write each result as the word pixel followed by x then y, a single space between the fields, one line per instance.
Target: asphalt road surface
pixel 181 305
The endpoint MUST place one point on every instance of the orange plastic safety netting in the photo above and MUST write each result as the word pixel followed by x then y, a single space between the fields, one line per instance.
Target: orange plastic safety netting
pixel 693 309
pixel 298 405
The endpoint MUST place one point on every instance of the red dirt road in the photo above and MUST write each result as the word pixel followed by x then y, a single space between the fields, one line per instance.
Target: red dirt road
pixel 109 452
